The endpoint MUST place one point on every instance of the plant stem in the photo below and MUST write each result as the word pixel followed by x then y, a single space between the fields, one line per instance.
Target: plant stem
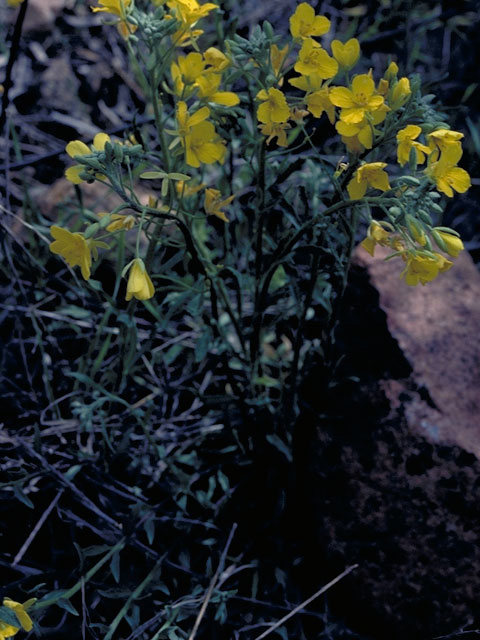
pixel 78 585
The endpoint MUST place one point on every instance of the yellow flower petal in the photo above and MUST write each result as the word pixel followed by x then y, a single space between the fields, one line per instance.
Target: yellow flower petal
pixel 73 173
pixel 100 140
pixel 139 284
pixel 77 148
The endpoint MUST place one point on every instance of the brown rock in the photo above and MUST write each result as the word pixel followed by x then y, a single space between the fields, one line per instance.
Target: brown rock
pixel 437 327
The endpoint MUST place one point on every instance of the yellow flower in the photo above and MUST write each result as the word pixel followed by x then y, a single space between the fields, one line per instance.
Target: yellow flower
pixel 358 101
pixel 14 3
pixel 216 59
pixel 274 107
pixel 347 54
pixel 188 13
pixel 391 72
pixel 73 247
pixel 443 139
pixel 187 121
pixel 214 203
pixel 203 145
pixel 78 148
pixel 304 23
pixel 277 58
pixel 208 86
pixel 275 130
pixel 313 59
pixel 406 140
pixel 376 234
pixel 118 8
pixel 186 70
pixel 20 612
pixel 318 102
pixel 118 221
pixel 186 189
pixel 359 136
pixel 399 94
pixel 445 173
pixel 7 630
pixel 309 83
pixel 453 244
pixel 422 268
pixel 201 142
pixel 371 174
pixel 139 284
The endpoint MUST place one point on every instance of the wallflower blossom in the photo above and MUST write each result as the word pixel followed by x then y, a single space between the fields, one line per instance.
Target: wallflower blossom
pixel 443 139
pixel 201 142
pixel 376 234
pixel 118 8
pixel 371 174
pixel 7 630
pixel 312 82
pixel 188 13
pixel 78 148
pixel 139 284
pixel 359 136
pixel 313 59
pixel 214 203
pixel 73 247
pixel 208 85
pixel 187 121
pixel 304 23
pixel 216 59
pixel 422 267
pixel 400 93
pixel 406 141
pixel 445 173
pixel 118 221
pixel 347 54
pixel 203 145
pixel 20 611
pixel 451 244
pixel 186 70
pixel 277 58
pixel 358 101
pixel 318 102
pixel 186 189
pixel 275 130
pixel 274 107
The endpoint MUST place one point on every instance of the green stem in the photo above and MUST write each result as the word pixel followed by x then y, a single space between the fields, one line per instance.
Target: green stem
pixel 135 594
pixel 66 595
pixel 257 315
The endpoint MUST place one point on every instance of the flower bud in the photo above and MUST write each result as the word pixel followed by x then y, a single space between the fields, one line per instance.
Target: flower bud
pixel 448 242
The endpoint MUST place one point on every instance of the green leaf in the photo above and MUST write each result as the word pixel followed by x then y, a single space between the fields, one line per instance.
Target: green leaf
pixel 164 187
pixel 279 279
pixel 75 312
pixel 63 603
pixel 8 615
pixel 178 176
pixel 279 444
pixel 18 493
pixel 115 567
pixel 149 527
pixel 267 381
pixel 153 175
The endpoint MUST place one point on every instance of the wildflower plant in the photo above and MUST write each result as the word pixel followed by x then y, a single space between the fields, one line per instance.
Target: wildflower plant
pixel 243 192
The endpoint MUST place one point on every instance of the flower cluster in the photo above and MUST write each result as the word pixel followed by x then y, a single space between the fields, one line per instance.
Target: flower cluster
pixel 369 115
pixel 423 262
